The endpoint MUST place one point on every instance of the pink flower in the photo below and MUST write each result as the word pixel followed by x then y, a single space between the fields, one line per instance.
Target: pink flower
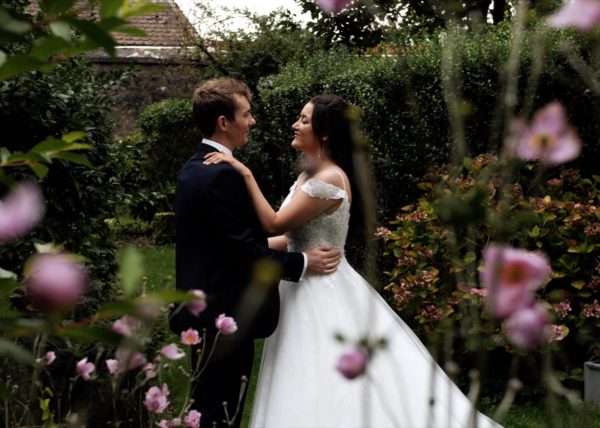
pixel 172 352
pixel 580 14
pixel 333 6
pixel 190 337
pixel 353 363
pixel 55 281
pixel 548 138
pixel 511 276
pixel 126 325
pixel 47 359
pixel 156 399
pixel 20 211
pixel 150 370
pixel 113 366
pixel 554 182
pixel 383 232
pixel 192 419
pixel 85 369
pixel 129 359
pixel 199 305
pixel 558 333
pixel 527 327
pixel 226 325
pixel 164 423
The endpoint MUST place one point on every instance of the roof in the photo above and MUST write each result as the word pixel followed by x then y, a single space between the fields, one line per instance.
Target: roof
pixel 168 33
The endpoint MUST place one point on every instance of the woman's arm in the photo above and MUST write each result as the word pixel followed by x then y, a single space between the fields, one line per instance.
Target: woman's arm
pixel 278 242
pixel 301 209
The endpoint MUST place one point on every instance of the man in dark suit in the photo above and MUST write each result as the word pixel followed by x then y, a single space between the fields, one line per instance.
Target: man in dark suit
pixel 219 242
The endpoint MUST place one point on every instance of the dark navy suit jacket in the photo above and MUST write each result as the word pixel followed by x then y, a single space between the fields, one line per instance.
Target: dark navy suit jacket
pixel 219 240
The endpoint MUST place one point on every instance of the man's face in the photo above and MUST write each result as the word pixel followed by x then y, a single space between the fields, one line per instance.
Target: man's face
pixel 239 128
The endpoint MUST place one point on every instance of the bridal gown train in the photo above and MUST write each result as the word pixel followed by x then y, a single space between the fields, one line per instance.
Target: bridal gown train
pixel 298 384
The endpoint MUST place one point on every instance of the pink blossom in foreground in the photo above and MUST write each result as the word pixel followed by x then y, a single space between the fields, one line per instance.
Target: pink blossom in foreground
pixel 353 363
pixel 190 337
pixel 548 138
pixel 164 423
pixel 527 328
pixel 199 305
pixel 511 276
pixel 226 325
pixel 150 370
pixel 333 6
pixel 20 211
pixel 580 14
pixel 47 359
pixel 85 369
pixel 113 366
pixel 55 281
pixel 129 359
pixel 192 419
pixel 172 352
pixel 126 325
pixel 156 399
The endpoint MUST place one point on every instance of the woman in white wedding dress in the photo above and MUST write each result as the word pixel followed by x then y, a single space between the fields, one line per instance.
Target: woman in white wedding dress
pixel 298 384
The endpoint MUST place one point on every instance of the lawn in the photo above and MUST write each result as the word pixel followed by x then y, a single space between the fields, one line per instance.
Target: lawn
pixel 160 270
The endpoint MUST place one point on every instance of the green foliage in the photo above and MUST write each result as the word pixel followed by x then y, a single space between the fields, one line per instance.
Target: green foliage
pixel 149 161
pixel 79 198
pixel 434 247
pixel 405 112
pixel 163 228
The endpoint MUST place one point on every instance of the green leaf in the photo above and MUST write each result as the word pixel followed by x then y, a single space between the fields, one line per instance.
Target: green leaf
pixel 170 296
pixel 74 136
pixel 91 334
pixel 56 6
pixel 22 63
pixel 15 352
pixel 40 170
pixel 3 57
pixel 578 284
pixel 8 285
pixel 4 154
pixel 109 8
pixel 50 144
pixel 95 34
pixel 75 158
pixel 6 274
pixel 6 180
pixel 131 269
pixel 61 29
pixel 12 25
pixel 132 31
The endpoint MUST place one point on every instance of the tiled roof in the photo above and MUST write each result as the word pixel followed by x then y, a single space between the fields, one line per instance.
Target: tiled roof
pixel 170 27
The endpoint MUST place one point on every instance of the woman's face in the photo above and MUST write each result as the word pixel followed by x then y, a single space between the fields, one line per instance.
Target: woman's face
pixel 305 139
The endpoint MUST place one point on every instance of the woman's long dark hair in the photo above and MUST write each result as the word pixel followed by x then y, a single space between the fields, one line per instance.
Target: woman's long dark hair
pixel 332 125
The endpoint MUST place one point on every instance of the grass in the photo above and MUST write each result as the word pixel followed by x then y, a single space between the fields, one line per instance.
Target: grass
pixel 160 272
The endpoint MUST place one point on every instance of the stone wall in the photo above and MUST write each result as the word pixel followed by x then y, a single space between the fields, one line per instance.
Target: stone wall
pixel 150 83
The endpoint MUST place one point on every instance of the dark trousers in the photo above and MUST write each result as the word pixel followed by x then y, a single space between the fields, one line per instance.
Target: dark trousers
pixel 221 381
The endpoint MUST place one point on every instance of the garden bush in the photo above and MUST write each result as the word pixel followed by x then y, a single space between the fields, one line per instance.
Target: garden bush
pixel 79 199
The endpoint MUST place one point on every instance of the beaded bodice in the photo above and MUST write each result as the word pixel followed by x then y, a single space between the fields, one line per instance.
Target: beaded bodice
pixel 325 228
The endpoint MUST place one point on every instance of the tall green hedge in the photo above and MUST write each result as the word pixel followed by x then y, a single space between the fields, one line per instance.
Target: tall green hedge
pixel 405 114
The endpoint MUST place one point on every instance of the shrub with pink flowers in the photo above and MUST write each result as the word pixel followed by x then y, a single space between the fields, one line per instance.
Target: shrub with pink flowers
pixel 446 268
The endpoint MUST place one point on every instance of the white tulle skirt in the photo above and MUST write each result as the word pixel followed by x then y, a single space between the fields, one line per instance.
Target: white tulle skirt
pixel 299 386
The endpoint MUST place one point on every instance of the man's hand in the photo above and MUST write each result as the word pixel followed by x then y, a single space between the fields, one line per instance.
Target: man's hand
pixel 323 260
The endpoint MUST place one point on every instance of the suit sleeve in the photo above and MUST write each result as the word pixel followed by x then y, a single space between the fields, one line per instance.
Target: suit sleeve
pixel 232 212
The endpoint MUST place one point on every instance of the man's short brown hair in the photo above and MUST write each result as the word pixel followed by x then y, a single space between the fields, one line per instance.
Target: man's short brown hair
pixel 214 98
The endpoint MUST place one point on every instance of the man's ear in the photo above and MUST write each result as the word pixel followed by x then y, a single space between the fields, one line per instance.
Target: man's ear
pixel 222 123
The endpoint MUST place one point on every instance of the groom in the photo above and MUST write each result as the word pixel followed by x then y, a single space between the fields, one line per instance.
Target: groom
pixel 219 242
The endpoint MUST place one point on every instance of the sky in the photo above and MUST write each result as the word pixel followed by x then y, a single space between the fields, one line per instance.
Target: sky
pixel 259 6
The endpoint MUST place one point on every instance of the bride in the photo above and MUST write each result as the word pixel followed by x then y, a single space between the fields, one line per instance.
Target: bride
pixel 298 385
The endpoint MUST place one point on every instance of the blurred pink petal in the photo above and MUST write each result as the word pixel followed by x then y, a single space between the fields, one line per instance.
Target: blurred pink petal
pixel 580 14
pixel 192 419
pixel 511 276
pixel 47 359
pixel 190 337
pixel 150 370
pixel 126 325
pixel 225 324
pixel 172 352
pixel 548 138
pixel 129 359
pixel 156 399
pixel 85 369
pixel 20 211
pixel 527 328
pixel 353 363
pixel 333 6
pixel 55 281
pixel 113 366
pixel 199 305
